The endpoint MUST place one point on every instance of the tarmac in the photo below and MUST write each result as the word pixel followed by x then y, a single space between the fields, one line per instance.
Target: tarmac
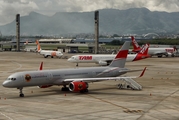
pixel 158 100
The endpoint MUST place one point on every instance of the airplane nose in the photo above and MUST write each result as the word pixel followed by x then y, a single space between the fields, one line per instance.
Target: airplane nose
pixel 5 84
pixel 69 59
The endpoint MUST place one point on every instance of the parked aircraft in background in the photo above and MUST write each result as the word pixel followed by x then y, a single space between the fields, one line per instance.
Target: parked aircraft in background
pixel 47 53
pixel 153 51
pixel 105 59
pixel 76 78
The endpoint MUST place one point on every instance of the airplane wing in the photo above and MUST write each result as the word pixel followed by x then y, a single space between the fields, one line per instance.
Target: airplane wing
pixel 103 78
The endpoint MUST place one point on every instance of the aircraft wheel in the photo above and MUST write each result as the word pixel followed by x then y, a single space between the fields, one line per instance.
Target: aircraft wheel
pixel 21 95
pixel 77 65
pixel 119 86
pixel 86 90
pixel 65 89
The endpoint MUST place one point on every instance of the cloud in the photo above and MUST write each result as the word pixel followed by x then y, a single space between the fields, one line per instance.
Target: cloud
pixel 9 8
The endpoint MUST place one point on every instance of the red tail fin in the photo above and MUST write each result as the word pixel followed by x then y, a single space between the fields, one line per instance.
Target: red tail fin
pixel 135 45
pixel 143 53
pixel 144 50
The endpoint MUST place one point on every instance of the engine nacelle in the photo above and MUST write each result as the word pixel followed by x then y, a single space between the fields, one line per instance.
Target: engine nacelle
pixel 78 86
pixel 102 63
pixel 44 86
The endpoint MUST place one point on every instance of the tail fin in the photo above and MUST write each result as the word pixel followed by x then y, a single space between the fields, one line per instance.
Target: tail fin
pixel 175 48
pixel 121 56
pixel 143 53
pixel 37 42
pixel 38 46
pixel 136 47
pixel 144 49
pixel 26 42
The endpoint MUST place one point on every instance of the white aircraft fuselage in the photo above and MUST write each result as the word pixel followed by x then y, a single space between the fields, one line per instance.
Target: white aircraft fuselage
pixel 47 53
pixel 158 51
pixel 97 58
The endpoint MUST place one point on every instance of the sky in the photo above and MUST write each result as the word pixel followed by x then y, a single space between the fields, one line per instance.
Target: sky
pixel 9 8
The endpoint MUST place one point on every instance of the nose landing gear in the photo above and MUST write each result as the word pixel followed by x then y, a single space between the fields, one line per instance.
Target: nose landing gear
pixel 21 93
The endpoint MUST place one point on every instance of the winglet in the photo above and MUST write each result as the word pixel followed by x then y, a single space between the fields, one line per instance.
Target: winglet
pixel 41 66
pixel 143 72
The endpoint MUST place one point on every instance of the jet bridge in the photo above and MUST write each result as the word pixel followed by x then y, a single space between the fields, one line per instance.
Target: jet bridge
pixel 128 83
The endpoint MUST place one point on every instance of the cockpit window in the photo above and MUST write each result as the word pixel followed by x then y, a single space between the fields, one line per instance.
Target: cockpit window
pixel 11 79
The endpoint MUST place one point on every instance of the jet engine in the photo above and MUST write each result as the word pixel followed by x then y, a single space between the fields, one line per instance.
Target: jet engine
pixel 44 86
pixel 102 63
pixel 78 86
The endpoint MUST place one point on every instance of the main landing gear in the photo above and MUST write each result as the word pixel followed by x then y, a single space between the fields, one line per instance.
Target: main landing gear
pixel 64 88
pixel 21 94
pixel 84 91
pixel 76 64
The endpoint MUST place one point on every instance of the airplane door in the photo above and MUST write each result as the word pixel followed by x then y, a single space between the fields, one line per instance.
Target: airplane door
pixel 93 74
pixel 50 76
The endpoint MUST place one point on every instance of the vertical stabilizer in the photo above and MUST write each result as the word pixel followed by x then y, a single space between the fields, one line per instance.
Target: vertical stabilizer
pixel 136 47
pixel 143 53
pixel 121 56
pixel 144 49
pixel 38 46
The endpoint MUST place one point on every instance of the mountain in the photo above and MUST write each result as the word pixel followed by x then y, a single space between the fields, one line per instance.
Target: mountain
pixel 111 21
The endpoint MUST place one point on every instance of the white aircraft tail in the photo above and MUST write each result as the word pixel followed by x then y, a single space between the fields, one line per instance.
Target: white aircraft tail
pixel 121 56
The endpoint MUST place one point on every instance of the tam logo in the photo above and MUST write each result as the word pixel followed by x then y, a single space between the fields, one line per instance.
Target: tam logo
pixel 144 49
pixel 169 50
pixel 53 54
pixel 85 57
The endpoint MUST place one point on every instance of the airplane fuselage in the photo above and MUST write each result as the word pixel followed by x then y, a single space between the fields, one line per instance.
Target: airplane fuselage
pixel 157 51
pixel 47 53
pixel 57 77
pixel 97 58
